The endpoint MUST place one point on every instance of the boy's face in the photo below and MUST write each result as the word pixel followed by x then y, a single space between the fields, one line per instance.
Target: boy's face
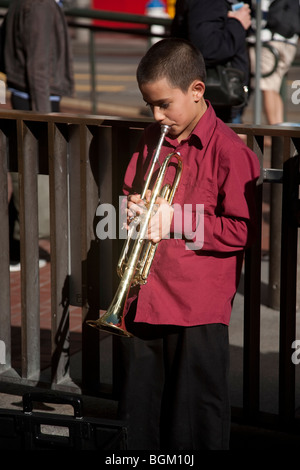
pixel 172 107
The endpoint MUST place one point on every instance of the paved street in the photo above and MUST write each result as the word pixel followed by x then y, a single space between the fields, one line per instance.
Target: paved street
pixel 116 60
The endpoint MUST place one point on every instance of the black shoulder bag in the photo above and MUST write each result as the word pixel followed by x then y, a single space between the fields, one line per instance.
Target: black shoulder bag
pixel 224 86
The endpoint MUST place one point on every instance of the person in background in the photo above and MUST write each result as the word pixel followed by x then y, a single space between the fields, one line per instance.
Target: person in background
pixel 39 71
pixel 38 58
pixel 277 55
pixel 220 35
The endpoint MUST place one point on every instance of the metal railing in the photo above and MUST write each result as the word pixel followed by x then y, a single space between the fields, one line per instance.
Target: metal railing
pixel 85 159
pixel 75 153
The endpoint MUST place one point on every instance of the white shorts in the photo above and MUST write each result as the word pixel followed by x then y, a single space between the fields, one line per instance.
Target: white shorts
pixel 286 54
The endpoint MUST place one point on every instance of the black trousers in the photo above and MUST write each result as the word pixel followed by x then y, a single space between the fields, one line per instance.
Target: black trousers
pixel 174 389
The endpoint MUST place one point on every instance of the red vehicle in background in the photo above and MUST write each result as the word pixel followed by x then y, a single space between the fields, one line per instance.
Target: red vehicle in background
pixel 136 7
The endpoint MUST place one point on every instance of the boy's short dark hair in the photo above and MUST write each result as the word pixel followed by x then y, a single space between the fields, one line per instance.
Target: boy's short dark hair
pixel 175 59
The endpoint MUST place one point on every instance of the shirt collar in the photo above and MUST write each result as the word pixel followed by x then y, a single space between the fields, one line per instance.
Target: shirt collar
pixel 205 126
pixel 203 130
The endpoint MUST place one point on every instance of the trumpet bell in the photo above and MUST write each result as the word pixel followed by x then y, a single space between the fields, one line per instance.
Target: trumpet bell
pixel 112 323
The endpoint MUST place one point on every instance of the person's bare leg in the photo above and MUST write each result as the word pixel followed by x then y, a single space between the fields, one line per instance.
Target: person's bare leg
pixel 273 106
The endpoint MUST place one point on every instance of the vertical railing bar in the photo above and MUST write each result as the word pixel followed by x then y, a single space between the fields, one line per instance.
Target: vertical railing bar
pixel 90 155
pixel 275 226
pixel 252 287
pixel 60 340
pixel 288 300
pixel 29 248
pixel 5 330
pixel 93 94
pixel 75 214
pixel 107 195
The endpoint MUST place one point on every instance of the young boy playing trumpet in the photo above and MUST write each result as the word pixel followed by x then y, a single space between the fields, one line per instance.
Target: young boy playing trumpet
pixel 175 393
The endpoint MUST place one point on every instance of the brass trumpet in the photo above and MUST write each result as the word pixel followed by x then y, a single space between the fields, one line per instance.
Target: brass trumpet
pixel 134 268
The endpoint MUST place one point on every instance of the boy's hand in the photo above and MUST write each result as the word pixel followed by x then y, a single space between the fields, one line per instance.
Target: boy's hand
pixel 135 207
pixel 160 222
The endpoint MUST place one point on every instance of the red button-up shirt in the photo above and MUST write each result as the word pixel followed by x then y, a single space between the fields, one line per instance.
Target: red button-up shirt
pixel 195 273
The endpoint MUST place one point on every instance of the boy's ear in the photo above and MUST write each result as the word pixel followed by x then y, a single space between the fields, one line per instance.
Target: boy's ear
pixel 198 89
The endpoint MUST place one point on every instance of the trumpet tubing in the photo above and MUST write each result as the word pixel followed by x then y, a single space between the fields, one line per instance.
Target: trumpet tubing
pixel 134 268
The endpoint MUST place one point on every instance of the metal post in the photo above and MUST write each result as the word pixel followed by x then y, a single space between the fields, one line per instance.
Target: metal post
pixel 288 292
pixel 92 71
pixel 5 334
pixel 275 226
pixel 257 93
pixel 29 247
